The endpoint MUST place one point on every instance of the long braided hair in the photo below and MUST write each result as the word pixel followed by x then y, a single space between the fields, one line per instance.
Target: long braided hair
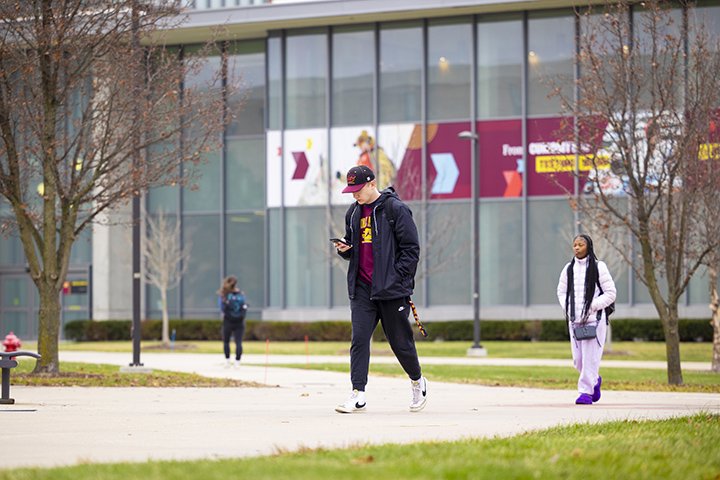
pixel 591 278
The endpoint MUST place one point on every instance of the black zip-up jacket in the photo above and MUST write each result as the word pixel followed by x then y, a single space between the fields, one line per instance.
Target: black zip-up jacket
pixel 395 247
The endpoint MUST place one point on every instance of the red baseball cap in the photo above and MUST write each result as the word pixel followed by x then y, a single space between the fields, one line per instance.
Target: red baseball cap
pixel 357 177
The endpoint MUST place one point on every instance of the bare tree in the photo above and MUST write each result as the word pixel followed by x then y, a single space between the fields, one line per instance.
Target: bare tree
pixel 642 112
pixel 710 204
pixel 166 260
pixel 81 103
pixel 713 265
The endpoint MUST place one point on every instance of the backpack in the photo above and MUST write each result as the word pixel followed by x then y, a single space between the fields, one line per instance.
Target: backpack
pixel 235 306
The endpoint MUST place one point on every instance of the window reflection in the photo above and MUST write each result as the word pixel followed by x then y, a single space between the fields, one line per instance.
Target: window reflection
pixel 499 73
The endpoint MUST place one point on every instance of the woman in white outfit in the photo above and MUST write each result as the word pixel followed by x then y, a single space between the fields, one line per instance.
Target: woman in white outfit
pixel 584 290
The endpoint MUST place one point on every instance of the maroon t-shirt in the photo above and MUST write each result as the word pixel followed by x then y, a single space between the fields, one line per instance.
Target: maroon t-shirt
pixel 366 253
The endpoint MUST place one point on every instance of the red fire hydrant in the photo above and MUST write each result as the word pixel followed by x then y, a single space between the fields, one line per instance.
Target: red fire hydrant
pixel 12 343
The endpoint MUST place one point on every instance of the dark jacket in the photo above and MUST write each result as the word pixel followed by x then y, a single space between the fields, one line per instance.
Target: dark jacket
pixel 395 245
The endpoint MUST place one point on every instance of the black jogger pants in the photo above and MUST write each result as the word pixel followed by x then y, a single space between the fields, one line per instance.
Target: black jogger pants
pixel 394 317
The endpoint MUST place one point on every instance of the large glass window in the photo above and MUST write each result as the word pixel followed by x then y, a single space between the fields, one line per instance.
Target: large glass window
pixel 401 60
pixel 275 258
pixel 449 69
pixel 448 251
pixel 203 189
pixel 398 152
pixel 600 35
pixel 202 278
pixel 306 273
pixel 82 248
pixel 706 16
pixel 501 272
pixel 11 250
pixel 246 72
pixel 658 39
pixel 353 64
pixel 339 265
pixel 202 192
pixel 550 234
pixel 551 52
pixel 275 57
pixel 154 302
pixel 167 197
pixel 245 252
pixel 245 173
pixel 499 74
pixel 350 146
pixel 420 293
pixel 699 287
pixel 306 78
pixel 5 208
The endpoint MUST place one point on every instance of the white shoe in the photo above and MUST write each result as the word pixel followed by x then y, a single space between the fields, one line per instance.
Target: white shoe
pixel 355 403
pixel 419 394
pixel 228 363
pixel 236 363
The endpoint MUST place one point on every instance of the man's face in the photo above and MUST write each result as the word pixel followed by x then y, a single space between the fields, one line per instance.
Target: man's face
pixel 365 194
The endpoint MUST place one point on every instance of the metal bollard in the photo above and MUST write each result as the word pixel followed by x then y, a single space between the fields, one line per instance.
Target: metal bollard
pixel 7 362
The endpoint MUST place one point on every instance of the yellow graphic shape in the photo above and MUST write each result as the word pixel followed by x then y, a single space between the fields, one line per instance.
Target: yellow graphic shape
pixel 709 151
pixel 366 235
pixel 566 163
pixel 365 230
pixel 308 144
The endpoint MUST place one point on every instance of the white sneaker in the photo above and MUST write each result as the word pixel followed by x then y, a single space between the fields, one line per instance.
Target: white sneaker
pixel 228 363
pixel 236 363
pixel 419 394
pixel 355 403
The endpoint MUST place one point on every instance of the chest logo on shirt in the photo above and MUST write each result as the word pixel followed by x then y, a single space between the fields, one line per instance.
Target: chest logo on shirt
pixel 366 229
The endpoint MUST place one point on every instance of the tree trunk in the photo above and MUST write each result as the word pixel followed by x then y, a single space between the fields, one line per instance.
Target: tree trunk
pixel 669 320
pixel 49 329
pixel 715 308
pixel 165 318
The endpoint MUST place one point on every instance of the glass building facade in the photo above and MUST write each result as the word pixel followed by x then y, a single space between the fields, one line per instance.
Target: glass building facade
pixel 317 100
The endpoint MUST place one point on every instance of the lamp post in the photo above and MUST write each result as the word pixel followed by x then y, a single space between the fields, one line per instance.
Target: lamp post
pixel 136 327
pixel 477 350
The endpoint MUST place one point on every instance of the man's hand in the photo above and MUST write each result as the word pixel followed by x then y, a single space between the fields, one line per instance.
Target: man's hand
pixel 342 247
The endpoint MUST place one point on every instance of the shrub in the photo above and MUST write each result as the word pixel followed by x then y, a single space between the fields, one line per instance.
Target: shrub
pixel 519 330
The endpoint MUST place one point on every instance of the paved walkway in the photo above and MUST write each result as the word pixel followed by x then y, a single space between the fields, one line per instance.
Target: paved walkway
pixel 62 426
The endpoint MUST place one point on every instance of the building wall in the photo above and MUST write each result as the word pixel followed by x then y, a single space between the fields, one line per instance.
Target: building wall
pixel 411 87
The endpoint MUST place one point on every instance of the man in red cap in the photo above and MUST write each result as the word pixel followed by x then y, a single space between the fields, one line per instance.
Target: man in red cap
pixel 381 244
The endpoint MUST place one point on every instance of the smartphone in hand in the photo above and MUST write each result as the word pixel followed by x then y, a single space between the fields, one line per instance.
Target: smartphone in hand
pixel 340 240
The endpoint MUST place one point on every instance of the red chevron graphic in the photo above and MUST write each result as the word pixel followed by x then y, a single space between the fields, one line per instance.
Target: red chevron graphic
pixel 301 166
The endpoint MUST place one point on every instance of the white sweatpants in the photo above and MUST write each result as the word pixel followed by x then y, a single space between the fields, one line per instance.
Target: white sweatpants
pixel 586 357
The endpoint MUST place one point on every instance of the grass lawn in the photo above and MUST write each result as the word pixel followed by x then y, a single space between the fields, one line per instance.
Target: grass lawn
pixel 690 351
pixel 545 377
pixel 668 449
pixel 99 375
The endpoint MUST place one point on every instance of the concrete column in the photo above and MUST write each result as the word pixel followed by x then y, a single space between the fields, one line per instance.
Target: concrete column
pixel 112 266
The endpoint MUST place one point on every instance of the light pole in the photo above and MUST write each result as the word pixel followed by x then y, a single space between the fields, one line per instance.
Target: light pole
pixel 477 350
pixel 136 327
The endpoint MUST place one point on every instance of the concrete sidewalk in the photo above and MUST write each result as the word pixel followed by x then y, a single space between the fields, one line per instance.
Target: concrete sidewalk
pixel 259 359
pixel 61 426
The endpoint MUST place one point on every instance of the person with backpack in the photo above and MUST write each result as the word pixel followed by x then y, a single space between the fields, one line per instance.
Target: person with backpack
pixel 234 308
pixel 381 244
pixel 586 292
